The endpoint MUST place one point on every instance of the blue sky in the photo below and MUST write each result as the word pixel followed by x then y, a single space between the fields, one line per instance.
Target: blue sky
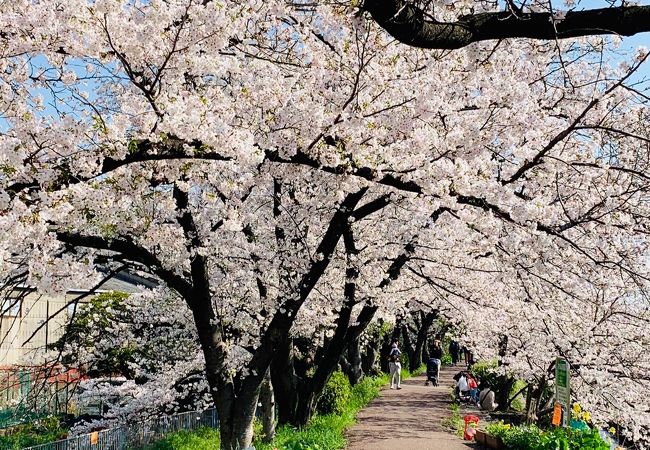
pixel 629 43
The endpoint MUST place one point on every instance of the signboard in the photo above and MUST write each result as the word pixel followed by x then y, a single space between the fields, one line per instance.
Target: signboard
pixel 563 388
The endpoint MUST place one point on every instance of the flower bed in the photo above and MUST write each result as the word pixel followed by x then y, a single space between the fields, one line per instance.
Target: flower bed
pixel 529 437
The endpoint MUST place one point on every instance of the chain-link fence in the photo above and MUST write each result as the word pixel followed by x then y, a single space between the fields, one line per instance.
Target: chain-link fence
pixel 135 435
pixel 27 394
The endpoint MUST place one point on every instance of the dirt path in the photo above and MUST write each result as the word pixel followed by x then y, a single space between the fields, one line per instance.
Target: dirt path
pixel 408 419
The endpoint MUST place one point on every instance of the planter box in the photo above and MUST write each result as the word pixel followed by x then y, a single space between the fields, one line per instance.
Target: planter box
pixel 494 442
pixel 480 437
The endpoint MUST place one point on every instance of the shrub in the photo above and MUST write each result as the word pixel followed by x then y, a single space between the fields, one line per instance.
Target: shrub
pixel 518 403
pixel 38 432
pixel 366 390
pixel 336 394
pixel 532 438
pixel 485 369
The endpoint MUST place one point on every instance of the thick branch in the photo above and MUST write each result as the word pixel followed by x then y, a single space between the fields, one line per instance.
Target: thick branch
pixel 409 249
pixel 200 279
pixel 171 148
pixel 409 24
pixel 367 173
pixel 131 251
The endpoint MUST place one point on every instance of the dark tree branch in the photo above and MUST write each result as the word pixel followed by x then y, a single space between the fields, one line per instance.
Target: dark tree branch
pixel 198 265
pixel 284 317
pixel 410 25
pixel 409 249
pixel 131 251
pixel 171 148
pixel 367 173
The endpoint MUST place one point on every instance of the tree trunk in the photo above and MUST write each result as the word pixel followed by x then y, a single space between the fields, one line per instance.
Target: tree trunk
pixel 536 401
pixel 502 393
pixel 306 405
pixel 237 432
pixel 285 383
pixel 421 341
pixel 407 346
pixel 355 371
pixel 268 408
pixel 531 405
pixel 236 409
pixel 236 414
pixel 369 358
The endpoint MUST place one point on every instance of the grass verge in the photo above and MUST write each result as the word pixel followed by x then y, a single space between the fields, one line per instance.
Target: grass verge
pixel 454 422
pixel 327 432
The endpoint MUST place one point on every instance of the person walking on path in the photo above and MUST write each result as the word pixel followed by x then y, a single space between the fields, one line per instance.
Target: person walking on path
pixel 395 367
pixel 469 358
pixel 435 355
pixel 454 350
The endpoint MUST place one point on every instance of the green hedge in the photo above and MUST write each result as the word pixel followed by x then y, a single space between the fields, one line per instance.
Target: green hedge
pixel 199 439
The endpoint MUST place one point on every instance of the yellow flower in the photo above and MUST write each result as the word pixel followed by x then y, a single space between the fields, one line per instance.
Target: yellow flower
pixel 586 416
pixel 612 430
pixel 577 409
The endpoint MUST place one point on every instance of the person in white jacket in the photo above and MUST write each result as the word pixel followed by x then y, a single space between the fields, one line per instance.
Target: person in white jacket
pixel 395 367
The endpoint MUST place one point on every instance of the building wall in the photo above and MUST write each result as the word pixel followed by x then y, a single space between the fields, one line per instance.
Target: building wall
pixel 35 308
pixel 16 329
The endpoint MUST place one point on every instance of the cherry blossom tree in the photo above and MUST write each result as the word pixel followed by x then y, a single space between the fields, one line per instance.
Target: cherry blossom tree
pixel 140 353
pixel 272 162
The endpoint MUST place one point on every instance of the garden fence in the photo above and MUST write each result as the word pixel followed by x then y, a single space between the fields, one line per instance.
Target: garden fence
pixel 135 435
pixel 29 393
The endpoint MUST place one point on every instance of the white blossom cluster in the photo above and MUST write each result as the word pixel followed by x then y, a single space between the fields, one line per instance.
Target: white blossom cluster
pixel 518 171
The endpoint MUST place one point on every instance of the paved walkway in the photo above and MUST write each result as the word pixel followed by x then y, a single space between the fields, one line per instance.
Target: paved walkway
pixel 408 419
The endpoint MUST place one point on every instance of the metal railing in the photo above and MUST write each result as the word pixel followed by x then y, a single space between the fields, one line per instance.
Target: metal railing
pixel 135 435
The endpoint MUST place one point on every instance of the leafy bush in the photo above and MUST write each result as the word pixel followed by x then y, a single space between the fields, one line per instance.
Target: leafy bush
pixel 486 370
pixel 336 394
pixel 446 360
pixel 518 403
pixel 35 433
pixel 532 438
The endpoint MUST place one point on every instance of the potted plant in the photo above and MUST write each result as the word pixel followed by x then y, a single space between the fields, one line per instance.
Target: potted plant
pixel 494 433
pixel 494 442
pixel 480 437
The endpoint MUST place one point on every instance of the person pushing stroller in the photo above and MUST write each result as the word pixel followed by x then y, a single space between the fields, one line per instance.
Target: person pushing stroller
pixel 433 364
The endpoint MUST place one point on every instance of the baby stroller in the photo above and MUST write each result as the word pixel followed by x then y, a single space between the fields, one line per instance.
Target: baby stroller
pixel 433 368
